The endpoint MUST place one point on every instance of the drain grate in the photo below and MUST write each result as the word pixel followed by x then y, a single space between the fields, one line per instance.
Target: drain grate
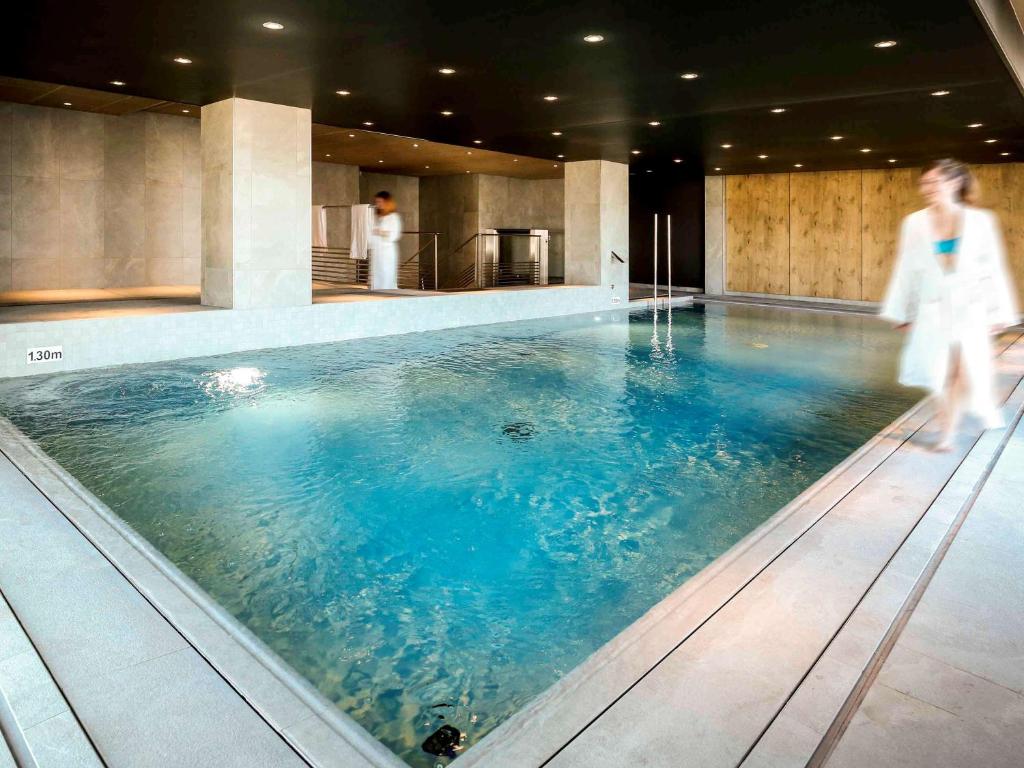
pixel 519 431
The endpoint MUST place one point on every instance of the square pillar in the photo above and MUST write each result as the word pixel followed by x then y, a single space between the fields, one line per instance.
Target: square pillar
pixel 257 193
pixel 714 235
pixel 597 223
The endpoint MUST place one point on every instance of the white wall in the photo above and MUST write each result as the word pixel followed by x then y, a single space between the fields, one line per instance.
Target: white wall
pixel 97 201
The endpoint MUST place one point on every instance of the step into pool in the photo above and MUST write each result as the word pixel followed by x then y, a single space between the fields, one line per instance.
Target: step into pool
pixel 433 528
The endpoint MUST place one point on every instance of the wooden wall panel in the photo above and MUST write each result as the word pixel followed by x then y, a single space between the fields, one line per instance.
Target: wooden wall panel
pixel 1002 190
pixel 824 242
pixel 757 233
pixel 887 196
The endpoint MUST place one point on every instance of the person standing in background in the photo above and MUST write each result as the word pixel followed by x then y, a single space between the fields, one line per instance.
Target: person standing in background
pixel 950 292
pixel 387 231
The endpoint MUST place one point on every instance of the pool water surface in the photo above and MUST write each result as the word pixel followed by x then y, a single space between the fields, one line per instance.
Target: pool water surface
pixel 433 528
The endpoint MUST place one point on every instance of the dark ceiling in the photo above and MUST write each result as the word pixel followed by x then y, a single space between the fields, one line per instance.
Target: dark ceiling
pixel 815 59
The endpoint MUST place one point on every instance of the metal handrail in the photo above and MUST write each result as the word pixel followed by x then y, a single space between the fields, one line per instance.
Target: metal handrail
pixel 476 236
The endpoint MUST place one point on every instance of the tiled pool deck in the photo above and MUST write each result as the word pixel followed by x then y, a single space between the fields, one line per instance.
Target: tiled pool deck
pixel 874 621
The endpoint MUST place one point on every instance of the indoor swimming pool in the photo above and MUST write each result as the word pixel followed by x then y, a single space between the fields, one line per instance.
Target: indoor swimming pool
pixel 433 528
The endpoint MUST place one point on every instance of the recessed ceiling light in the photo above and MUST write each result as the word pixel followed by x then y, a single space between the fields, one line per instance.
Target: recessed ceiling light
pixel 380 161
pixel 351 135
pixel 367 123
pixel 551 97
pixel 940 93
pixel 718 169
pixel 415 145
pixel 975 125
pixel 635 152
pixel 556 133
pixel 467 171
pixel 515 159
pixel 469 153
pixel 762 157
pixel 184 111
pixel 344 93
pixel 426 166
pixel 727 146
pixel 689 75
pixel 559 156
pixel 67 103
pixel 798 165
pixel 678 160
pixel 446 71
pixel 654 123
pixel 555 165
pixel 327 155
pixel 447 112
pixel 991 141
pixel 182 60
pixel 892 159
pixel 118 83
pixel 1004 154
pixel 275 25
pixel 593 38
pixel 778 110
pixel 836 138
pixel 866 149
pixel 478 141
pixel 649 170
pixel 886 44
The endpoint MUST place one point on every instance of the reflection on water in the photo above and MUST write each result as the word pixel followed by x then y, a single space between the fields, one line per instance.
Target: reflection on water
pixel 462 517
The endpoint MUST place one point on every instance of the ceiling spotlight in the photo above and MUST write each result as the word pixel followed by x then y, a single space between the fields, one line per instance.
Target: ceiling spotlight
pixel 555 165
pixel 836 138
pixel 727 146
pixel 182 60
pixel 447 112
pixel 275 25
pixel 351 135
pixel 327 155
pixel 866 150
pixel 593 39
pixel 654 123
pixel 798 165
pixel 368 123
pixel 975 125
pixel 649 171
pixel 718 169
pixel 184 111
pixel 689 76
pixel 556 133
pixel 478 141
pixel 991 141
pixel 635 152
pixel 678 160
pixel 67 103
pixel 380 161
pixel 415 145
pixel 559 156
pixel 551 97
pixel 515 159
pixel 469 153
pixel 940 93
pixel 892 159
pixel 1004 154
pixel 886 44
pixel 426 166
pixel 118 83
pixel 762 157
pixel 344 93
pixel 778 110
pixel 446 71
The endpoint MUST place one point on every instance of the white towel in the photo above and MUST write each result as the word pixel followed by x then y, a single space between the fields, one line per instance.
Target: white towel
pixel 362 226
pixel 319 233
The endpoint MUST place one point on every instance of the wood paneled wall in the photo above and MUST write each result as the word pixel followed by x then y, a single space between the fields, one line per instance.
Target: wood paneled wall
pixel 833 234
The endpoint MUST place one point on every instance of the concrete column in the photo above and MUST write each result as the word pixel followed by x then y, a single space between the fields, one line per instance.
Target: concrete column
pixel 597 223
pixel 714 235
pixel 257 193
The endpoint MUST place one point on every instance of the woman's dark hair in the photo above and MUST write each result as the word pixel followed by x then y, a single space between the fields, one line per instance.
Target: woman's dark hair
pixel 383 195
pixel 954 170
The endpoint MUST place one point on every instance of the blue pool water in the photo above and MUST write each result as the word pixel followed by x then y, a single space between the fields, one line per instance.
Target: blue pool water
pixel 461 517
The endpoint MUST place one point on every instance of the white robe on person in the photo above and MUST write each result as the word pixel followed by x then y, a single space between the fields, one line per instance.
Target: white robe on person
pixel 952 311
pixel 387 231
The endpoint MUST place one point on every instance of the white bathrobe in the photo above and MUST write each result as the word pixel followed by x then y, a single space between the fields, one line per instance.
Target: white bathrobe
pixel 950 310
pixel 384 249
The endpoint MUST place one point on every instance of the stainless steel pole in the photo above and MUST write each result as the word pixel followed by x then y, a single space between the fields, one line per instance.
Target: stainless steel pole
pixel 668 224
pixel 435 261
pixel 655 262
